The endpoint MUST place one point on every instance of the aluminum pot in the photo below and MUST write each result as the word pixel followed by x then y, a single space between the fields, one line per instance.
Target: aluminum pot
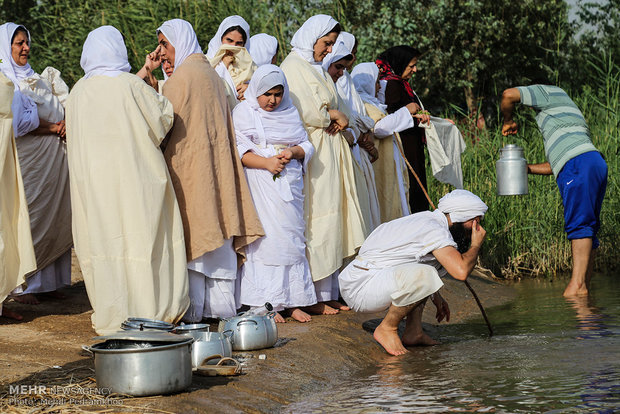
pixel 251 332
pixel 511 171
pixel 143 363
pixel 144 324
pixel 194 330
pixel 208 344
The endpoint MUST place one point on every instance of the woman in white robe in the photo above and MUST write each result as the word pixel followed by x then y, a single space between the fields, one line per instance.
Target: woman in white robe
pixel 229 56
pixel 361 125
pixel 16 248
pixel 264 49
pixel 43 162
pixel 126 221
pixel 274 148
pixel 335 226
pixel 365 78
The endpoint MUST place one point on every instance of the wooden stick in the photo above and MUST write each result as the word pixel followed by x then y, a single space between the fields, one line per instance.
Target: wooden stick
pixel 484 314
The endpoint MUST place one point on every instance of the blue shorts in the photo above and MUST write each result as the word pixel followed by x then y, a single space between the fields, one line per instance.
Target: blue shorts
pixel 582 183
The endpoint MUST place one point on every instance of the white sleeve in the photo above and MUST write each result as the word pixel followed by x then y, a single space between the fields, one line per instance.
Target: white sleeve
pixel 395 122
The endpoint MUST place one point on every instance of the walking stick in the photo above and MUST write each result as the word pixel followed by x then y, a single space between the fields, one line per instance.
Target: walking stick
pixel 484 314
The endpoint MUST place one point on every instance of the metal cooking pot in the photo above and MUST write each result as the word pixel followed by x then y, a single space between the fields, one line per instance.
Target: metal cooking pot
pixel 251 332
pixel 208 344
pixel 144 324
pixel 194 330
pixel 143 363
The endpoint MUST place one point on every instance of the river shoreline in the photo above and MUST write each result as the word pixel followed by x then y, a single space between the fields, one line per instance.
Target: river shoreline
pixel 45 350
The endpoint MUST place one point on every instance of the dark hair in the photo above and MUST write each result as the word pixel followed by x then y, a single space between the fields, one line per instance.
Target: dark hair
pixel 336 29
pixel 399 57
pixel 20 29
pixel 238 29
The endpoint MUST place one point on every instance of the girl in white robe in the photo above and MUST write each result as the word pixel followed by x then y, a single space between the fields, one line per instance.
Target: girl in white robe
pixel 264 49
pixel 335 225
pixel 274 148
pixel 41 148
pixel 229 56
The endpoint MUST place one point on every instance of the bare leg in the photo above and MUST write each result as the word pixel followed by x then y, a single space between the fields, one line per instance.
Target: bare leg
pixel 414 335
pixel 337 305
pixel 28 299
pixel 582 255
pixel 387 331
pixel 321 308
pixel 299 315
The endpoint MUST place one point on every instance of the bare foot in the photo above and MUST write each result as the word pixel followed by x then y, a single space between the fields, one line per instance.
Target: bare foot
pixel 337 305
pixel 300 316
pixel 11 315
pixel 278 318
pixel 28 299
pixel 321 309
pixel 54 295
pixel 419 340
pixel 575 289
pixel 389 340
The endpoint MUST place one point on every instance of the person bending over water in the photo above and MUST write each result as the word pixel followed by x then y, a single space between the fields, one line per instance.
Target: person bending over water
pixel 399 264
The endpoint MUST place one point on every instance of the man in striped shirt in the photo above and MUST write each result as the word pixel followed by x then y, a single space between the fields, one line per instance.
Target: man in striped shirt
pixel 579 169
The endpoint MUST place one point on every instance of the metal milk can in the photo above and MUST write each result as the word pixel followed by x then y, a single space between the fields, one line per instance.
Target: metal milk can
pixel 511 171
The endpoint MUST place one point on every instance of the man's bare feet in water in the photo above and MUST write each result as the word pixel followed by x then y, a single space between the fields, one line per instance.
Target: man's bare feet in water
pixel 299 315
pixel 389 340
pixel 419 340
pixel 337 305
pixel 27 299
pixel 278 318
pixel 321 309
pixel 11 315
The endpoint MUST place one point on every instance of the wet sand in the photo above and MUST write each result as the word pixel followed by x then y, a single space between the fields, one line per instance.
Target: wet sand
pixel 45 349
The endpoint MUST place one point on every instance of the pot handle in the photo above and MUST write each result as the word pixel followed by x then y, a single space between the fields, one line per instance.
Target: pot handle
pixel 228 333
pixel 209 358
pixel 88 350
pixel 248 321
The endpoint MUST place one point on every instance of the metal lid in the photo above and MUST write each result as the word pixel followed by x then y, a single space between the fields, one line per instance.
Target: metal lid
pixel 140 324
pixel 193 327
pixel 144 336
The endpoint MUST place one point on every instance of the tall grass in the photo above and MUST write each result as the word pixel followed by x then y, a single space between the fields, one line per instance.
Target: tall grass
pixel 525 234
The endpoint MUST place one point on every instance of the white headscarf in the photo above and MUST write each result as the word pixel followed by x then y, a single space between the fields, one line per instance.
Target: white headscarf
pixel 227 23
pixel 283 125
pixel 364 78
pixel 25 114
pixel 182 37
pixel 462 205
pixel 312 30
pixel 348 39
pixel 264 48
pixel 339 51
pixel 104 53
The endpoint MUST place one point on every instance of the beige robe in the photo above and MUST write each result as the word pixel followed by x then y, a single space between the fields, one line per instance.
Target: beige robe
pixel 202 157
pixel 16 249
pixel 385 172
pixel 43 161
pixel 335 226
pixel 127 226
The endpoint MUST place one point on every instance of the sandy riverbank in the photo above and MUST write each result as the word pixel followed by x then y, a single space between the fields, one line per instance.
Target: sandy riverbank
pixel 45 350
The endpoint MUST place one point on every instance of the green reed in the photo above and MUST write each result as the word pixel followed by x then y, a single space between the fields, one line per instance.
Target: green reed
pixel 525 234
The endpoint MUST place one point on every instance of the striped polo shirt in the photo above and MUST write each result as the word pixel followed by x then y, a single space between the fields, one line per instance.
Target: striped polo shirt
pixel 561 123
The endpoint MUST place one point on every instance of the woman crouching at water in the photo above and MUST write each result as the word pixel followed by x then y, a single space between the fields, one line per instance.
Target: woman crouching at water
pixel 335 226
pixel 274 150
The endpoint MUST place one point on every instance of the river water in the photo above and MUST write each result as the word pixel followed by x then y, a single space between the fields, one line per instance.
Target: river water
pixel 548 354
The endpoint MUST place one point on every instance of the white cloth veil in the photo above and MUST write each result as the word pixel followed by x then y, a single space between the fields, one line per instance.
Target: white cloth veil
pixel 230 21
pixel 104 53
pixel 364 78
pixel 264 48
pixel 182 36
pixel 312 30
pixel 462 205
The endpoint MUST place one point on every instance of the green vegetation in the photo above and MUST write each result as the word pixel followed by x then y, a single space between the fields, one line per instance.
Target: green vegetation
pixel 472 50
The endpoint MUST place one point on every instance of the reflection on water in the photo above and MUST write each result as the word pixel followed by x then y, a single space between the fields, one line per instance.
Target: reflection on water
pixel 549 354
